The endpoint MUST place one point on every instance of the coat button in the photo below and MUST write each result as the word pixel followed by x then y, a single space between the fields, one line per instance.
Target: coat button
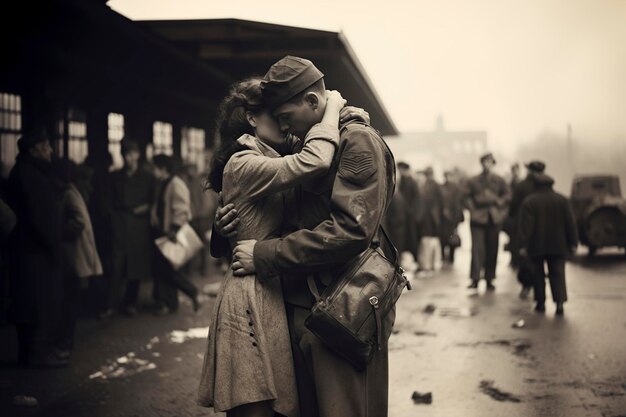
pixel 251 334
pixel 250 323
pixel 254 344
pixel 248 311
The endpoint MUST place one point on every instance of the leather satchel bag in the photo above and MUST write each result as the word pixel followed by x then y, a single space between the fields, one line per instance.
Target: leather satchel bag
pixel 349 316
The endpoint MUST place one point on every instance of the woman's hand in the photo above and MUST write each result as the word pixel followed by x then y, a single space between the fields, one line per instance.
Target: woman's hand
pixel 334 100
pixel 334 104
pixel 350 113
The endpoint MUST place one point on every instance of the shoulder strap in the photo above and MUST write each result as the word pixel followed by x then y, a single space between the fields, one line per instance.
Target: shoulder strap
pixel 389 243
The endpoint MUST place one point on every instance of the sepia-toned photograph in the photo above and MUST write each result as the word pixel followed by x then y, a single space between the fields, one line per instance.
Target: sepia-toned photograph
pixel 345 208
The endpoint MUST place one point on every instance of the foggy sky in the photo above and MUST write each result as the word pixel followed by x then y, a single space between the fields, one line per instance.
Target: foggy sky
pixel 513 68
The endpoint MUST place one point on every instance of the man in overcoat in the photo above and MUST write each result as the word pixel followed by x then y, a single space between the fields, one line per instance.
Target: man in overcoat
pixel 548 234
pixel 407 186
pixel 452 199
pixel 36 282
pixel 487 200
pixel 339 216
pixel 132 195
pixel 522 190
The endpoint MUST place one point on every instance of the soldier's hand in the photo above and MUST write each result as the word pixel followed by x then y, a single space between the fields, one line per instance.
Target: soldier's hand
pixel 243 258
pixel 350 113
pixel 226 221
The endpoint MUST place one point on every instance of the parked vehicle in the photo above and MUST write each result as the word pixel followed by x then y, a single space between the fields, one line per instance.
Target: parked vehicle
pixel 600 211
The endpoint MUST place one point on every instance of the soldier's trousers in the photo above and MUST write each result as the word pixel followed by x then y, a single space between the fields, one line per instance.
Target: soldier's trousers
pixel 329 386
pixel 556 275
pixel 485 241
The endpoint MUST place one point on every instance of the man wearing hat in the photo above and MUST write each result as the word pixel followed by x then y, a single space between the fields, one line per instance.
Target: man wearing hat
pixel 522 190
pixel 547 232
pixel 338 216
pixel 132 194
pixel 406 185
pixel 487 199
pixel 452 198
pixel 35 280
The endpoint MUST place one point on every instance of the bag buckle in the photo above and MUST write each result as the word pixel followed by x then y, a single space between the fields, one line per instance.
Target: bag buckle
pixel 374 301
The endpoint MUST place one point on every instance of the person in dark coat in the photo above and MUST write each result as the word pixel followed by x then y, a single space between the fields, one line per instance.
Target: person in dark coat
pixel 396 222
pixel 487 200
pixel 36 281
pixel 132 194
pixel 452 215
pixel 548 234
pixel 407 185
pixel 520 192
pixel 429 219
pixel 7 224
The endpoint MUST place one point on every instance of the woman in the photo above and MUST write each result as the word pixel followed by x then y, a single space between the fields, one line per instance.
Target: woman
pixel 248 368
pixel 171 211
pixel 80 258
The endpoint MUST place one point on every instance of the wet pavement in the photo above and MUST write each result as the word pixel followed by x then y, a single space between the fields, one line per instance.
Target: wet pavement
pixel 476 353
pixel 490 354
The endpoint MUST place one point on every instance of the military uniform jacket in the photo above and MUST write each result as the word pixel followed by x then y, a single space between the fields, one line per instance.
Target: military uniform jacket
pixel 487 198
pixel 337 215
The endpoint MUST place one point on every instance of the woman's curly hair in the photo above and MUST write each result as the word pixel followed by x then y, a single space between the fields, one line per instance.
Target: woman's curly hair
pixel 232 123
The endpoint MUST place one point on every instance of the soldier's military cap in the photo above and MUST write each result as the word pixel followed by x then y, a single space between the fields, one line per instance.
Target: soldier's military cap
pixel 287 78
pixel 536 166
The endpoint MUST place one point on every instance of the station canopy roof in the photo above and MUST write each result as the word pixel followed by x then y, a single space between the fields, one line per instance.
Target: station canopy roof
pixel 240 48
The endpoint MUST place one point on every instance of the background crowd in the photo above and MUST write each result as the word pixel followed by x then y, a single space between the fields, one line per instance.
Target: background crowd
pixel 80 239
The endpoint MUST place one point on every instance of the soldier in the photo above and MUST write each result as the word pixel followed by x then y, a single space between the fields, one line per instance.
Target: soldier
pixel 522 190
pixel 547 233
pixel 487 199
pixel 338 216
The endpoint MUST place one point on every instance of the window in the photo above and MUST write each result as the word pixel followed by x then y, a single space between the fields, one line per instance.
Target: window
pixel 193 147
pixel 10 129
pixel 478 146
pixel 162 138
pixel 116 133
pixel 77 148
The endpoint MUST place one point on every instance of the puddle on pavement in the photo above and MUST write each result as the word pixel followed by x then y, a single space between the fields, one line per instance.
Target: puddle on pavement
pixel 123 367
pixel 422 333
pixel 450 311
pixel 610 297
pixel 181 336
pixel 519 347
pixel 487 387
pixel 458 311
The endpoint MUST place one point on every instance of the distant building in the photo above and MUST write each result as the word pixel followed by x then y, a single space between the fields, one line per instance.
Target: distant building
pixel 440 148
